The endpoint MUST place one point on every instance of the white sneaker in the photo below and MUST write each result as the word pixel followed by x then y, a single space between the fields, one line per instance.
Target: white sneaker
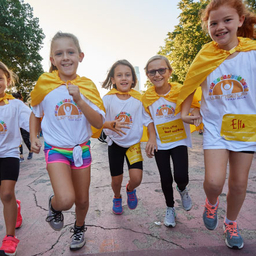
pixel 185 199
pixel 78 240
pixel 169 220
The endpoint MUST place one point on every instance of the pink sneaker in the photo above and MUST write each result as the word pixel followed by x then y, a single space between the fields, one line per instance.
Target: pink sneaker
pixel 9 245
pixel 19 217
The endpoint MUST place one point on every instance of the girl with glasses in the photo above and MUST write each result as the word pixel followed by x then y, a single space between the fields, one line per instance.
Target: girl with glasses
pixel 125 117
pixel 225 69
pixel 172 135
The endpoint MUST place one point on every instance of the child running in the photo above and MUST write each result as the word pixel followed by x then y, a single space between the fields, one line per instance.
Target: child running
pixel 173 136
pixel 125 117
pixel 69 105
pixel 14 115
pixel 226 70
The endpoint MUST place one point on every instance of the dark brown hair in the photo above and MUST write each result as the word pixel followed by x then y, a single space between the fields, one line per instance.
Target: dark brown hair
pixel 107 84
pixel 246 30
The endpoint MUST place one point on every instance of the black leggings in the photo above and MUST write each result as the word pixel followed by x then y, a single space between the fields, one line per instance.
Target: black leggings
pixel 180 165
pixel 25 137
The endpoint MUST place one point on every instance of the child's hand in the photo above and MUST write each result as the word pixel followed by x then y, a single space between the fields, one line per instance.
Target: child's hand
pixel 74 92
pixel 151 147
pixel 196 113
pixel 119 125
pixel 36 145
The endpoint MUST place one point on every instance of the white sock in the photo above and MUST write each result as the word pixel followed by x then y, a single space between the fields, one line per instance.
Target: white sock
pixel 227 221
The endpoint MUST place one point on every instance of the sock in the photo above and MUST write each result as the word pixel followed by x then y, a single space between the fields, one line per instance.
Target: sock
pixel 227 221
pixel 214 205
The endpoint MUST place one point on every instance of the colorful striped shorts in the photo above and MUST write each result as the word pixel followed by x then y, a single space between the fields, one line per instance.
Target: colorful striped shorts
pixel 65 155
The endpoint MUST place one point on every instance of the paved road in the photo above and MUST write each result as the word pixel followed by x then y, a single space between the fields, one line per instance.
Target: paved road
pixel 135 233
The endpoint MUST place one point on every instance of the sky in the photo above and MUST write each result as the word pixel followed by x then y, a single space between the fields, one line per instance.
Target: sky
pixel 107 30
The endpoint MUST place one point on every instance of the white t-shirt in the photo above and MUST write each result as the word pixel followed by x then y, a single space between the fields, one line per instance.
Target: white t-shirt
pixel 162 112
pixel 13 116
pixel 229 89
pixel 130 110
pixel 64 125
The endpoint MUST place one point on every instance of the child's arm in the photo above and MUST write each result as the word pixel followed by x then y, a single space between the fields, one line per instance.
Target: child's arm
pixel 185 110
pixel 34 127
pixel 93 117
pixel 117 126
pixel 151 144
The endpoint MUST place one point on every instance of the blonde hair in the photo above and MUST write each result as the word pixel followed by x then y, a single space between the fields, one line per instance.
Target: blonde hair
pixel 107 84
pixel 8 73
pixel 158 57
pixel 59 35
pixel 246 30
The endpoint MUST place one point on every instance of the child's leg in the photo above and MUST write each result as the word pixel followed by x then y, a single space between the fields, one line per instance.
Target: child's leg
pixel 81 182
pixel 135 179
pixel 61 180
pixel 7 194
pixel 240 164
pixel 215 172
pixel 116 184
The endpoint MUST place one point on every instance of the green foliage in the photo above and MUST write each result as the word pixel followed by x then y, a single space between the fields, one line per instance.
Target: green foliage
pixel 21 39
pixel 251 5
pixel 182 45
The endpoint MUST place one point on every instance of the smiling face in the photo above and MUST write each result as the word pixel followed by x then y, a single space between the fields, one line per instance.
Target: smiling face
pixel 123 78
pixel 223 24
pixel 65 56
pixel 4 82
pixel 160 81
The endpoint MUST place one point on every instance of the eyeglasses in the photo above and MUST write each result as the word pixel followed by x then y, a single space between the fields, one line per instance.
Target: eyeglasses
pixel 161 71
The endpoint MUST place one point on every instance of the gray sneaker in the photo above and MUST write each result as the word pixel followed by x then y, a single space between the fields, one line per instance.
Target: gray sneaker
pixel 78 240
pixel 210 217
pixel 185 199
pixel 54 218
pixel 233 238
pixel 169 220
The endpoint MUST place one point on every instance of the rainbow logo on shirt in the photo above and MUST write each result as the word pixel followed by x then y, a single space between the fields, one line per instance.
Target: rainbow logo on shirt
pixel 165 111
pixel 228 86
pixel 67 108
pixel 124 116
pixel 3 127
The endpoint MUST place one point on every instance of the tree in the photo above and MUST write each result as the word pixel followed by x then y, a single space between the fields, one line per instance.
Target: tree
pixel 182 45
pixel 21 39
pixel 251 5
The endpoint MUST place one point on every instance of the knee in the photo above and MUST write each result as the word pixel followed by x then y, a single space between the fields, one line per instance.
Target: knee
pixel 65 202
pixel 82 204
pixel 237 189
pixel 7 197
pixel 213 187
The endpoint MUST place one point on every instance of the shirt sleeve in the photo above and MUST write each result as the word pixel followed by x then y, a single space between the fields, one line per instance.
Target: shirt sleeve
pixel 24 115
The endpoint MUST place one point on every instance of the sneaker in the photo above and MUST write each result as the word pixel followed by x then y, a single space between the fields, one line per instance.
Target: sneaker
pixel 132 200
pixel 185 199
pixel 19 217
pixel 22 159
pixel 9 245
pixel 55 218
pixel 169 220
pixel 233 238
pixel 78 240
pixel 30 155
pixel 117 206
pixel 210 215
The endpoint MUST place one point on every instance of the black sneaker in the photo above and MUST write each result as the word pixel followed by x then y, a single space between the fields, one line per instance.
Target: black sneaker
pixel 30 155
pixel 55 218
pixel 78 240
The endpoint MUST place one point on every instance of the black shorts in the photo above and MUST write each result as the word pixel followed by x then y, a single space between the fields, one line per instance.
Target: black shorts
pixel 116 156
pixel 9 168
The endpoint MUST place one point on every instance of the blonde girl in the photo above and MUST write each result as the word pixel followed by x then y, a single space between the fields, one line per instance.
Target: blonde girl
pixel 69 105
pixel 225 69
pixel 14 115
pixel 173 137
pixel 125 117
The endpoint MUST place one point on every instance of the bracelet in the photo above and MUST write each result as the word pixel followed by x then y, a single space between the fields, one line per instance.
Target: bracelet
pixel 114 125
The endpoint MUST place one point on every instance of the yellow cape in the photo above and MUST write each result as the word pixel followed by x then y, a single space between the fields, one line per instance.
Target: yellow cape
pixel 151 96
pixel 50 81
pixel 6 98
pixel 135 94
pixel 206 61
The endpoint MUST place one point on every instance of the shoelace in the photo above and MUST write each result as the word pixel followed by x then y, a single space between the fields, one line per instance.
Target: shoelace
pixel 117 203
pixel 211 211
pixel 78 232
pixel 56 217
pixel 170 212
pixel 131 197
pixel 232 229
